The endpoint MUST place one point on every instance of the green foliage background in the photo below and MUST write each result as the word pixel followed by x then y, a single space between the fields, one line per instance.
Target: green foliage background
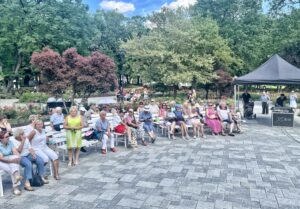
pixel 183 46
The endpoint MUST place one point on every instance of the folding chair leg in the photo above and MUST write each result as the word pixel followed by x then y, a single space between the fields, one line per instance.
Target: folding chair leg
pixel 125 141
pixel 1 186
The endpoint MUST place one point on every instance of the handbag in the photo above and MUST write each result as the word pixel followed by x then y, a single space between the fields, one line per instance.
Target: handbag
pixel 120 129
pixel 36 180
pixel 89 135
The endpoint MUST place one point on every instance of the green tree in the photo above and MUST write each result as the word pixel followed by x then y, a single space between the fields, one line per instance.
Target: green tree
pixel 245 27
pixel 179 50
pixel 30 25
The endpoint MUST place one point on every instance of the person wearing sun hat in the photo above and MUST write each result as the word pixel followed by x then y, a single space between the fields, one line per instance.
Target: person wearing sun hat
pixel 146 118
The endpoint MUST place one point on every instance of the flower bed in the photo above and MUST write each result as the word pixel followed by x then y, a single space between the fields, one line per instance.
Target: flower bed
pixel 18 116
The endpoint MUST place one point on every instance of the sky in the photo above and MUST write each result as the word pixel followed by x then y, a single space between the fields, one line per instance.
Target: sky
pixel 136 7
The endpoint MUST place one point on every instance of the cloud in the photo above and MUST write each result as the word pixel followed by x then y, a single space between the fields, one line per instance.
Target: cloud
pixel 180 3
pixel 119 6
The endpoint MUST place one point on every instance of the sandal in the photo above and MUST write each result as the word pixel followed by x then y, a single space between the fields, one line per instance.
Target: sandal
pixel 16 191
pixel 28 188
pixel 144 143
pixel 57 178
pixel 18 179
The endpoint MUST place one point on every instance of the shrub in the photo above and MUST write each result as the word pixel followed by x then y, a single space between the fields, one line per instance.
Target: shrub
pixel 9 113
pixel 33 97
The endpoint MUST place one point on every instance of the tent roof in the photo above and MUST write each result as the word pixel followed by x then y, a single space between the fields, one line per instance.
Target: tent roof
pixel 275 71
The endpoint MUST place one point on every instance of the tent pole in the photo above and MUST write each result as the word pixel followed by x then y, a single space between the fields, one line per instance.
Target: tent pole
pixel 238 96
pixel 234 89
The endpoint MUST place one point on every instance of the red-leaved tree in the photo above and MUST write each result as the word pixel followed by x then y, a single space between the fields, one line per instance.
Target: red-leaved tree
pixel 82 75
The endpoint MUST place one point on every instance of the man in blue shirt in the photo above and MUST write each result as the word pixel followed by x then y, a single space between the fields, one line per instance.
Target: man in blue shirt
pixel 57 119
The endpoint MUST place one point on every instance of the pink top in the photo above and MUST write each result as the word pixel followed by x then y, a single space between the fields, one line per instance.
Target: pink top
pixel 162 113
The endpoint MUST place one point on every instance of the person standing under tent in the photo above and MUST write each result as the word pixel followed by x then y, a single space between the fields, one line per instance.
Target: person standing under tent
pixel 265 98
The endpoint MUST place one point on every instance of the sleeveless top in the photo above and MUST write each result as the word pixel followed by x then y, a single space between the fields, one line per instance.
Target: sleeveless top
pixel 39 140
pixel 74 122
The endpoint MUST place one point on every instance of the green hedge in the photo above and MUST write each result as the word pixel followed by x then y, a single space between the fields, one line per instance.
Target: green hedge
pixel 33 97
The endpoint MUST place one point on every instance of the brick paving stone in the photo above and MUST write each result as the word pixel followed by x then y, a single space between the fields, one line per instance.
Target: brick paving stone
pixel 130 203
pixel 146 184
pixel 85 197
pixel 258 169
pixel 109 194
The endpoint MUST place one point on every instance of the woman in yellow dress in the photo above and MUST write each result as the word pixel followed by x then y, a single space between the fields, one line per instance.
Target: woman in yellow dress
pixel 73 124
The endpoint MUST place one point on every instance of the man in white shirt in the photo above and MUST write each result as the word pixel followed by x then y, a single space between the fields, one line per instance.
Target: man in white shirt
pixel 154 109
pixel 265 103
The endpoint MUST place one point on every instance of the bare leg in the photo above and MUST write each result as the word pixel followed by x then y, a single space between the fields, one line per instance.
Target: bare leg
pixel 56 167
pixel 195 129
pixel 70 154
pixel 77 155
pixel 182 130
pixel 186 130
pixel 128 131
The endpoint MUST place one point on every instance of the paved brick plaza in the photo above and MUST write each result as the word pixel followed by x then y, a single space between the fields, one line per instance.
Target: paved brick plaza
pixel 257 169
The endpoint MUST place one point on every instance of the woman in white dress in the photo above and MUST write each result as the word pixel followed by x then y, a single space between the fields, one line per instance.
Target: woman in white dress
pixel 39 140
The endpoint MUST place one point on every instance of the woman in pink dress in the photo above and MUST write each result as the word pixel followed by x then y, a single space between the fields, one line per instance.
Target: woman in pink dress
pixel 213 121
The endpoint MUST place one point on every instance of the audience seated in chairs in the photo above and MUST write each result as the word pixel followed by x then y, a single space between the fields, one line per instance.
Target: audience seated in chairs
pixel 5 125
pixel 119 126
pixel 103 131
pixel 10 160
pixel 135 126
pixel 236 117
pixel 170 121
pixel 180 121
pixel 140 108
pixel 39 141
pixel 28 157
pixel 153 108
pixel 213 121
pixel 146 118
pixel 225 118
pixel 198 126
pixel 57 119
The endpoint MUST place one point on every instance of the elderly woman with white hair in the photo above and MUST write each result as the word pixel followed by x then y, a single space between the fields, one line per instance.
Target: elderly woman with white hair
pixel 73 124
pixel 103 129
pixel 39 141
pixel 28 157
pixel 9 161
pixel 57 119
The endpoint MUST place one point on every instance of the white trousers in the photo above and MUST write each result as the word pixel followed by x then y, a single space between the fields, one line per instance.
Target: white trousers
pixel 11 168
pixel 104 141
pixel 46 154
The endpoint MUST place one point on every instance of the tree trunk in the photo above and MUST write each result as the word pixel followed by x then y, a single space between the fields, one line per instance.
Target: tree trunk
pixel 15 69
pixel 175 91
pixel 206 87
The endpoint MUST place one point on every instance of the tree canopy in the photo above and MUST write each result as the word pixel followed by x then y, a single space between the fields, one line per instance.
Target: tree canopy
pixel 187 45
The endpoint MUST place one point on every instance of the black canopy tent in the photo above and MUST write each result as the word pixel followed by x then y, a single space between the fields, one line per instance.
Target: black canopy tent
pixel 276 71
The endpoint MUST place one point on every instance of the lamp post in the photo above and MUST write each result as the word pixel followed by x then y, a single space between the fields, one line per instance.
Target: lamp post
pixel 121 56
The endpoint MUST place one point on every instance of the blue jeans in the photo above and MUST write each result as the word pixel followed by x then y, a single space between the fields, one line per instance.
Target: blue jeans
pixel 27 161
